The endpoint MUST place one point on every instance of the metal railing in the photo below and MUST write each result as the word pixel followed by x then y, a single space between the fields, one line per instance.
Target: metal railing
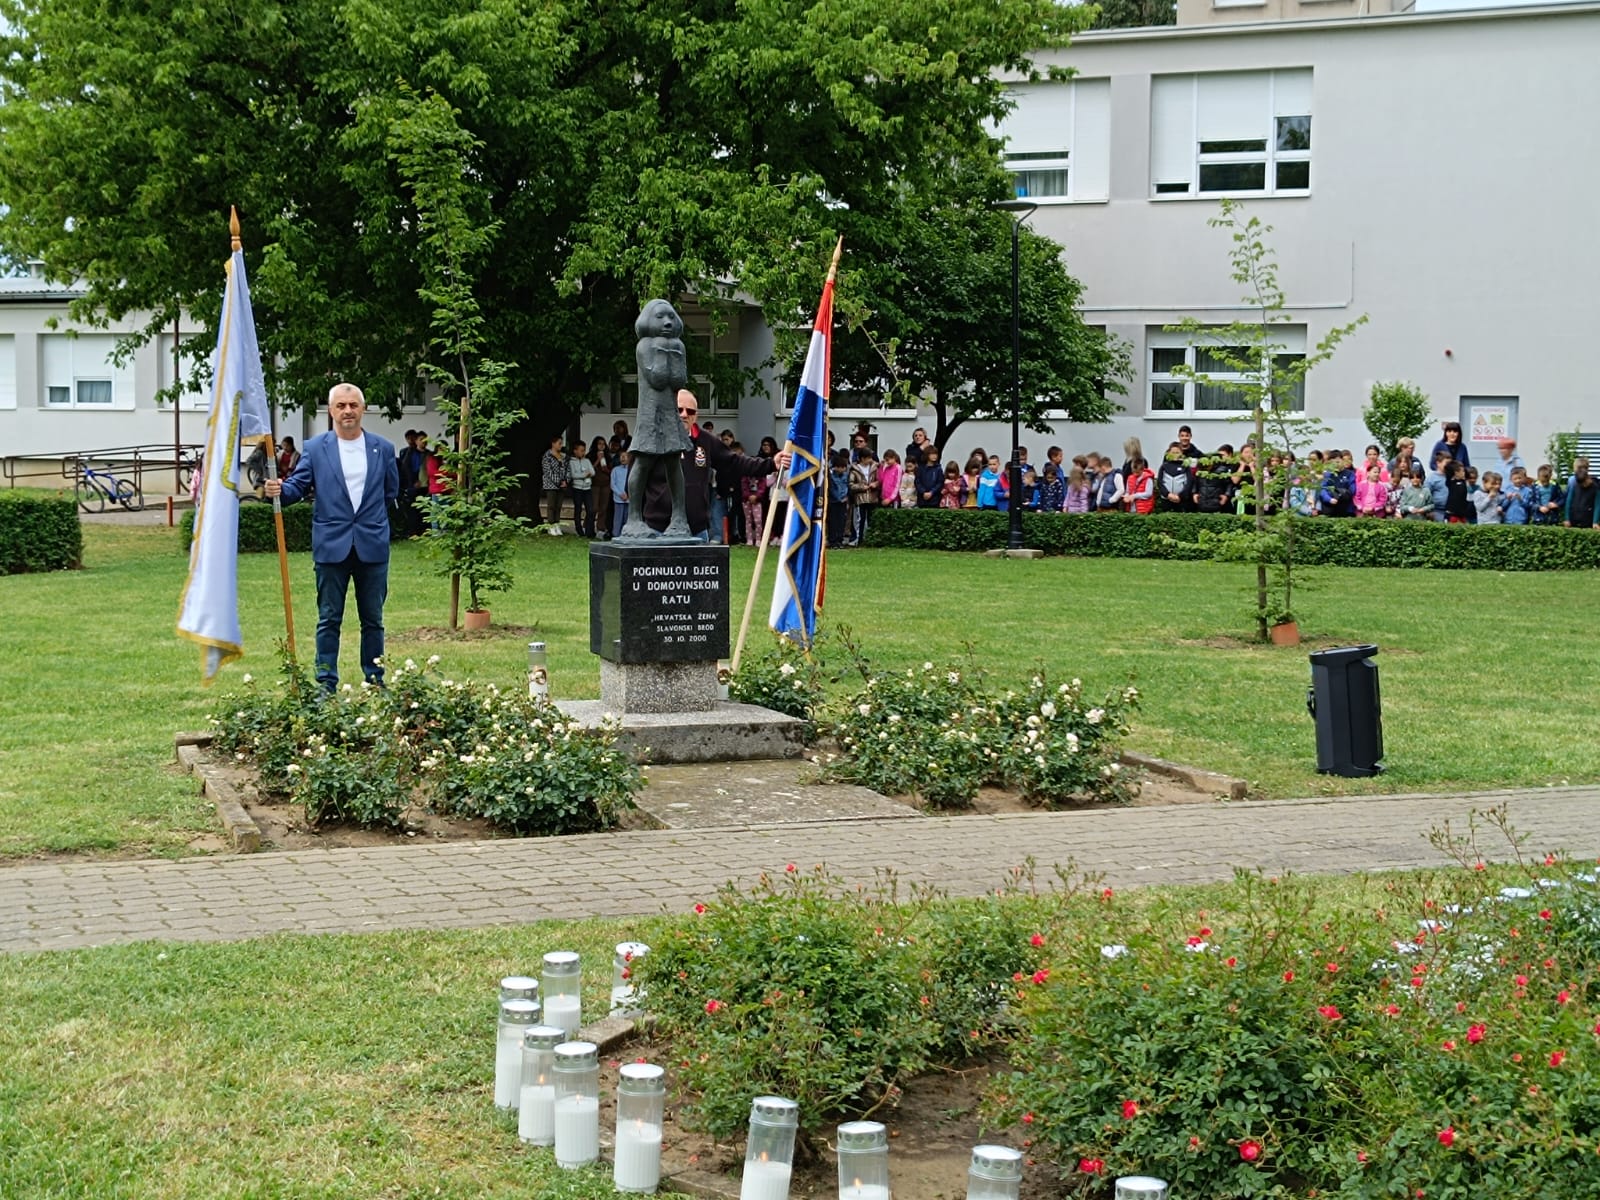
pixel 153 467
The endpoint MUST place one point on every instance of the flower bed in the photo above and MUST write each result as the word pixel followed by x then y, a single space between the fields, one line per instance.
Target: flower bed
pixel 364 755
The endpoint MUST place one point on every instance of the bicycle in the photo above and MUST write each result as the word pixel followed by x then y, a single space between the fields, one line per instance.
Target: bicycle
pixel 93 488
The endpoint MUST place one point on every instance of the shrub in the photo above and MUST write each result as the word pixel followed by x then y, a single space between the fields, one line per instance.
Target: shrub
pixel 825 994
pixel 785 679
pixel 940 735
pixel 257 532
pixel 1319 541
pixel 1397 410
pixel 39 533
pixel 360 755
pixel 1440 1045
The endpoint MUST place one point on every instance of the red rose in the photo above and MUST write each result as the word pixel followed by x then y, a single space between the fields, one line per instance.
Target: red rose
pixel 713 1006
pixel 1091 1166
pixel 1559 1057
pixel 1130 1109
pixel 699 908
pixel 1231 961
pixel 1447 1136
pixel 1288 976
pixel 1249 1151
pixel 1330 1012
pixel 1037 939
pixel 1475 1033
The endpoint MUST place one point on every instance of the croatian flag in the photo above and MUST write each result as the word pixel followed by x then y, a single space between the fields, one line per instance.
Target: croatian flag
pixel 209 611
pixel 797 594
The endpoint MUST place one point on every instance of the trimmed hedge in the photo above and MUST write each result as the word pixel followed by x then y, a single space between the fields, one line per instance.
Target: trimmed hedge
pixel 1320 541
pixel 256 533
pixel 39 533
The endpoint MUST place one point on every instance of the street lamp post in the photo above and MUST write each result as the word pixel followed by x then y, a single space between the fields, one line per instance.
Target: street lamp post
pixel 1020 211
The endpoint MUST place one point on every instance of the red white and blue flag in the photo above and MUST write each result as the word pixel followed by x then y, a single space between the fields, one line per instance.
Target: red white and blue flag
pixel 797 594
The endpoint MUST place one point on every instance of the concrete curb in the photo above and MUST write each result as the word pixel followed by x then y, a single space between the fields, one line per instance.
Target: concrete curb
pixel 244 833
pixel 1194 777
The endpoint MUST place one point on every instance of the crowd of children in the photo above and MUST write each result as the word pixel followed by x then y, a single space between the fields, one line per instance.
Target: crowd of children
pixel 1327 483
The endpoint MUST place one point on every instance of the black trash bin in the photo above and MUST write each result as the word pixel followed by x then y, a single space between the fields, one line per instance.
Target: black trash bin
pixel 1344 702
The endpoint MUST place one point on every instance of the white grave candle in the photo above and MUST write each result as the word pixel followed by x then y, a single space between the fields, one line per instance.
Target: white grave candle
pixel 563 1013
pixel 507 1073
pixel 638 1162
pixel 577 1121
pixel 765 1181
pixel 864 1191
pixel 536 1120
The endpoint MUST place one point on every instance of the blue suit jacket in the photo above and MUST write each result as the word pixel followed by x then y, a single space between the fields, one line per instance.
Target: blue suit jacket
pixel 336 529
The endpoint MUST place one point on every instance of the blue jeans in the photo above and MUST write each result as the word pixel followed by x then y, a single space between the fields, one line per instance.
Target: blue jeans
pixel 372 589
pixel 719 518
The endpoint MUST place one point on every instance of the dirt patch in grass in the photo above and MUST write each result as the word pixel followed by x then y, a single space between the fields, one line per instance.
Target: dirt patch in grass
pixel 933 1126
pixel 437 633
pixel 1307 645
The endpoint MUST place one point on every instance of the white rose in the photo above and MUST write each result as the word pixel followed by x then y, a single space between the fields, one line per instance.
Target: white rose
pixel 864 709
pixel 249 678
pixel 786 669
pixel 1113 951
pixel 1095 715
pixel 1047 710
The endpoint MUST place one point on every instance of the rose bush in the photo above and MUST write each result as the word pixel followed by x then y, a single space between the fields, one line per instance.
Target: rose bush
pixel 1442 1044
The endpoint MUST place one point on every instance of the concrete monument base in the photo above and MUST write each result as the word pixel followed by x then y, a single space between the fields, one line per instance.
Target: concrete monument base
pixel 725 731
pixel 658 687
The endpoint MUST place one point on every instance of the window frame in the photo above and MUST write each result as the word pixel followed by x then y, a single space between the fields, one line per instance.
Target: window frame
pixel 1159 340
pixel 73 381
pixel 1087 110
pixel 1269 157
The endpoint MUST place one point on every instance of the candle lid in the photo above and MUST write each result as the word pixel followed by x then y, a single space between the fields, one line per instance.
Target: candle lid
pixel 863 1135
pixel 775 1110
pixel 637 1072
pixel 577 1054
pixel 997 1162
pixel 519 987
pixel 519 1012
pixel 538 646
pixel 543 1037
pixel 561 962
pixel 628 951
pixel 1141 1185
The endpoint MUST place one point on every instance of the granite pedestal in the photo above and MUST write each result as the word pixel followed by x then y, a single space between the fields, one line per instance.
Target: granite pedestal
pixel 658 620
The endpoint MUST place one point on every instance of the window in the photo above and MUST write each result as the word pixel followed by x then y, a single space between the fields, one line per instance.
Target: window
pixel 192 349
pixel 1170 392
pixel 8 371
pixel 1058 140
pixel 1232 132
pixel 78 372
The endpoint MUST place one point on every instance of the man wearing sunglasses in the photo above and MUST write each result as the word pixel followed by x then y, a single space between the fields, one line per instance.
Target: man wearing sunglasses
pixel 706 453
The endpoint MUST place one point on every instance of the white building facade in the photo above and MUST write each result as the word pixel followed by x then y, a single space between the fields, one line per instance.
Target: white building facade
pixel 1433 172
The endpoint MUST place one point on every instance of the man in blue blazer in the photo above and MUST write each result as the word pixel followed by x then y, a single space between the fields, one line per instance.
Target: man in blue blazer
pixel 355 479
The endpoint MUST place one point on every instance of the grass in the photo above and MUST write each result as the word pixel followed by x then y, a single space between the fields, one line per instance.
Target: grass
pixel 336 1066
pixel 1481 672
pixel 291 1066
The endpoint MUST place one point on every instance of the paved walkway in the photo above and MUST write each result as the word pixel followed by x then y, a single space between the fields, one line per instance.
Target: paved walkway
pixel 51 906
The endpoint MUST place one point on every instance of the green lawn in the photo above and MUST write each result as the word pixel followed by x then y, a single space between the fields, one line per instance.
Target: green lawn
pixel 286 1067
pixel 1482 673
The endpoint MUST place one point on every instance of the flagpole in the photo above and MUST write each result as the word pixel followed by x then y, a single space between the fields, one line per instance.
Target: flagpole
pixel 761 558
pixel 272 473
pixel 766 533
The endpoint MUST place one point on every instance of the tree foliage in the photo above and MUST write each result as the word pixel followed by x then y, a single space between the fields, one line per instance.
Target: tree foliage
pixel 1265 375
pixel 945 321
pixel 1397 410
pixel 713 148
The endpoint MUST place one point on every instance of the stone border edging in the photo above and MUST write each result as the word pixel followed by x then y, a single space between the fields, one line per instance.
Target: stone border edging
pixel 1194 777
pixel 244 833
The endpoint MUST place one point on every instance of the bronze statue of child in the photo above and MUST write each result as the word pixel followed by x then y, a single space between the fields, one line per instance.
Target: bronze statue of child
pixel 660 440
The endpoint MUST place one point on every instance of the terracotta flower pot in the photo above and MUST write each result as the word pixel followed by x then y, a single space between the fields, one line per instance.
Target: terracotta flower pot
pixel 475 619
pixel 1286 633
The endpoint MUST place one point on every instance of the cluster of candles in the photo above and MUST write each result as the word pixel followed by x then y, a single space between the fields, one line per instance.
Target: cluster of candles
pixel 552 1082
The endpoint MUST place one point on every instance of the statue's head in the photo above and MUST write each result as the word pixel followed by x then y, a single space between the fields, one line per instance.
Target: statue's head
pixel 659 319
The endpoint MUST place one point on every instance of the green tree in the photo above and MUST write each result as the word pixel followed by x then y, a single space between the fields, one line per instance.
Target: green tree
pixel 1133 14
pixel 1267 377
pixel 714 149
pixel 469 532
pixel 1397 410
pixel 945 321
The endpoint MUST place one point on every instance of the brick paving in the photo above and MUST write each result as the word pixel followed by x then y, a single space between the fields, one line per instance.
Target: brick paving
pixel 46 906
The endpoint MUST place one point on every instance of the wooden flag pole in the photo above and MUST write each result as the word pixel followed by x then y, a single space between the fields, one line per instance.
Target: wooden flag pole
pixel 283 548
pixel 272 473
pixel 761 558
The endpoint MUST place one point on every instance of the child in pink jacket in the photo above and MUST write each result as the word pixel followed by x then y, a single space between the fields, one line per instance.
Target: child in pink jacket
pixel 1372 494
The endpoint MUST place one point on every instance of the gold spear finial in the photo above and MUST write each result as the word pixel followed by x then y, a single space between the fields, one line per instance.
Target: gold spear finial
pixel 833 267
pixel 233 227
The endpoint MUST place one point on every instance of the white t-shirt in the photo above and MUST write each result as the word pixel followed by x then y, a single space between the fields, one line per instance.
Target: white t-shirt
pixel 353 460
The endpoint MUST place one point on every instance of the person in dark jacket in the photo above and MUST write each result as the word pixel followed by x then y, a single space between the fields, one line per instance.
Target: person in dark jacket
pixel 1452 443
pixel 706 453
pixel 1174 481
pixel 930 479
pixel 1583 498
